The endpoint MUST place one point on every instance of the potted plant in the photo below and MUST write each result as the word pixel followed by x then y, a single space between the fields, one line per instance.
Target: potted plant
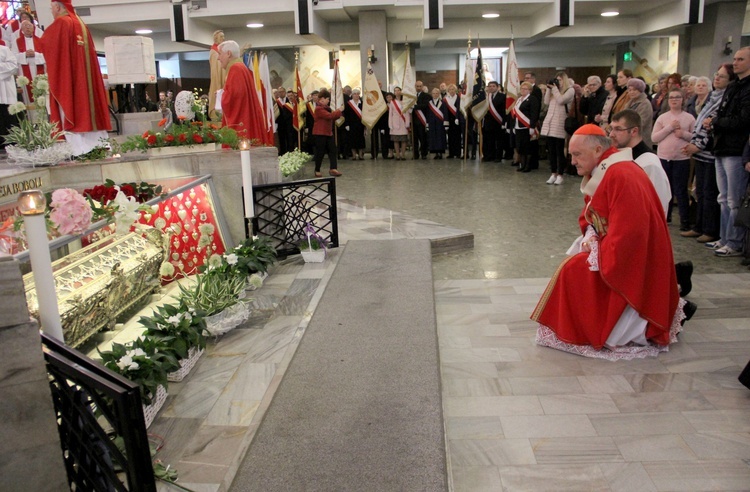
pixel 291 162
pixel 35 141
pixel 252 256
pixel 219 297
pixel 312 246
pixel 181 330
pixel 147 362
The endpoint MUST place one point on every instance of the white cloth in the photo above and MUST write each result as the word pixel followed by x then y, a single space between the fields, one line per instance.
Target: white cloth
pixel 650 163
pixel 8 68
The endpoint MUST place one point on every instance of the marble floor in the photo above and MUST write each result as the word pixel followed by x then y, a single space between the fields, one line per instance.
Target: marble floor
pixel 518 416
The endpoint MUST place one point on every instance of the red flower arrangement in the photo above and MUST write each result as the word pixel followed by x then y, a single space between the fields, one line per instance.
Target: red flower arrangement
pixel 197 138
pixel 105 193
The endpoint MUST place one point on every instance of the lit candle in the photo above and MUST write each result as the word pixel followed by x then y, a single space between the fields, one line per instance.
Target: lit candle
pixel 247 179
pixel 32 206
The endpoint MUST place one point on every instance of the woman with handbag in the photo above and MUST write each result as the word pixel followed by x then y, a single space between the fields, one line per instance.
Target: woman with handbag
pixel 559 94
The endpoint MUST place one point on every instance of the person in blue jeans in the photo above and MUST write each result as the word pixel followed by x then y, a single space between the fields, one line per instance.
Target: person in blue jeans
pixel 731 129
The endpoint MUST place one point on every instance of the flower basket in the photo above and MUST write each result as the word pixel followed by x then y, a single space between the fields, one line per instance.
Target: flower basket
pixel 227 320
pixel 150 411
pixel 186 365
pixel 39 157
pixel 316 256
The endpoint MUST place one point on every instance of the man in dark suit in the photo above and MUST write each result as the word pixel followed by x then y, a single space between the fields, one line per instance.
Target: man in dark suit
pixel 593 99
pixel 492 125
pixel 419 121
pixel 530 77
pixel 284 122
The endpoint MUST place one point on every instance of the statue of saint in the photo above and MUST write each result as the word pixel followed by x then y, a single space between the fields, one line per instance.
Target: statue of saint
pixel 218 75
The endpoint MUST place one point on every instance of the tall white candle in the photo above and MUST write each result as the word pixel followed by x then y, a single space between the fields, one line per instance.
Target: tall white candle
pixel 44 280
pixel 247 181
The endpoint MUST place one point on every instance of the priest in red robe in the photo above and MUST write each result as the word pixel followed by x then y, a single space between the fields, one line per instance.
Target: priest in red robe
pixel 240 106
pixel 30 61
pixel 616 296
pixel 78 99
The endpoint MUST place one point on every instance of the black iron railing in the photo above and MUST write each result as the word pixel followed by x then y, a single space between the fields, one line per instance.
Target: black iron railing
pixel 100 420
pixel 282 210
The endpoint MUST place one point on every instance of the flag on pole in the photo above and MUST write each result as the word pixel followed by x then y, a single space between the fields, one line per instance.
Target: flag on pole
pixel 374 105
pixel 298 118
pixel 468 84
pixel 267 100
pixel 512 84
pixel 337 99
pixel 479 105
pixel 408 85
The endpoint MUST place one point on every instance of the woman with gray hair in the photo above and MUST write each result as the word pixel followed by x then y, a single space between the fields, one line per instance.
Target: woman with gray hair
pixel 701 89
pixel 638 102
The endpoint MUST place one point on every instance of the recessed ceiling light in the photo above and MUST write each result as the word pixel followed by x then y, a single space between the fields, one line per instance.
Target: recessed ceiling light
pixel 610 13
pixel 144 31
pixel 491 15
pixel 255 25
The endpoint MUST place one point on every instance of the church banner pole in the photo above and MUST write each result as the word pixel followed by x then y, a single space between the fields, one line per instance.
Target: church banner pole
pixel 467 110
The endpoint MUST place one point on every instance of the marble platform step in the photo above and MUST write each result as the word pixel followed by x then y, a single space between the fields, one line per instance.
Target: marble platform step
pixel 360 402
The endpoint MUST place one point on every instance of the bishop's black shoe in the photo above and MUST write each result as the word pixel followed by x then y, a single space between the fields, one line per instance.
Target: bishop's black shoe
pixel 684 271
pixel 689 309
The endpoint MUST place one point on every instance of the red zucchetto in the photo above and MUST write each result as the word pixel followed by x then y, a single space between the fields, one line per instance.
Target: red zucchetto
pixel 590 129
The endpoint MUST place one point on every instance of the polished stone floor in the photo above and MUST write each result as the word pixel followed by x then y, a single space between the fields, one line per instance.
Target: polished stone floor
pixel 518 416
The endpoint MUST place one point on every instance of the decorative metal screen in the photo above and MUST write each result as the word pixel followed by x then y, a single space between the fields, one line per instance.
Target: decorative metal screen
pixel 100 420
pixel 282 210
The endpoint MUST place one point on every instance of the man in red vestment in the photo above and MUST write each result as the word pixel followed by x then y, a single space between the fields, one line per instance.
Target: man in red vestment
pixel 78 99
pixel 618 288
pixel 240 107
pixel 31 62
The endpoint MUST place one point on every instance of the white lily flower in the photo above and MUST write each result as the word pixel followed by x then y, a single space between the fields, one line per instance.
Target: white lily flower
pixel 125 361
pixel 175 320
pixel 126 213
pixel 231 259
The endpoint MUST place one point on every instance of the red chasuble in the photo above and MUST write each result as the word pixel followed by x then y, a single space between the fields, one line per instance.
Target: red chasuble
pixel 636 267
pixel 75 79
pixel 241 109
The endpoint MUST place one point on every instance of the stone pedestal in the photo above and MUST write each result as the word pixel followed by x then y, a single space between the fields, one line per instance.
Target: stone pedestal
pixel 31 457
pixel 137 123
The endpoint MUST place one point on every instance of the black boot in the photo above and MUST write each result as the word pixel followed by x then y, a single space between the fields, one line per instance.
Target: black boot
pixel 684 271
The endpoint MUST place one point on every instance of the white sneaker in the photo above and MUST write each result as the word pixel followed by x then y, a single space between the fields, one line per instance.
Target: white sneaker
pixel 727 252
pixel 551 180
pixel 559 179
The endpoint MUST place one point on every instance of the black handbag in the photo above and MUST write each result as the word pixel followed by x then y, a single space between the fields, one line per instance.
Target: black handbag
pixel 571 122
pixel 743 212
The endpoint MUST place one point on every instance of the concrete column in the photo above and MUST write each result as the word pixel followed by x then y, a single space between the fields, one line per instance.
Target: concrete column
pixel 31 457
pixel 373 32
pixel 707 40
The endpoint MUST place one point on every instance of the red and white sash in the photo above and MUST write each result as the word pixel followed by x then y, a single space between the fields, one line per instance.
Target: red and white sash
pixel 397 105
pixel 288 105
pixel 355 108
pixel 421 117
pixel 436 109
pixel 451 107
pixel 311 109
pixel 493 110
pixel 519 116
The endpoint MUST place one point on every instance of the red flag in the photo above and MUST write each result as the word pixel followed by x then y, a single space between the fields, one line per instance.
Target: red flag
pixel 299 104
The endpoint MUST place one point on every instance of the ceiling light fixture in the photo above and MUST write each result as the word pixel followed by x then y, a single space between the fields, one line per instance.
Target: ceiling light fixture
pixel 610 13
pixel 491 15
pixel 144 31
pixel 255 25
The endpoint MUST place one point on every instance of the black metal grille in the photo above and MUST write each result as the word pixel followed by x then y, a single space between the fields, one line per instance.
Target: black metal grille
pixel 282 210
pixel 94 406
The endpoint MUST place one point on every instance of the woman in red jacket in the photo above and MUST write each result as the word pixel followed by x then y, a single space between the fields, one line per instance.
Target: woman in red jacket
pixel 323 133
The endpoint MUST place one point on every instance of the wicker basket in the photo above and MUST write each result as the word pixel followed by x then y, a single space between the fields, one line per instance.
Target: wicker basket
pixel 314 256
pixel 227 320
pixel 150 411
pixel 186 365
